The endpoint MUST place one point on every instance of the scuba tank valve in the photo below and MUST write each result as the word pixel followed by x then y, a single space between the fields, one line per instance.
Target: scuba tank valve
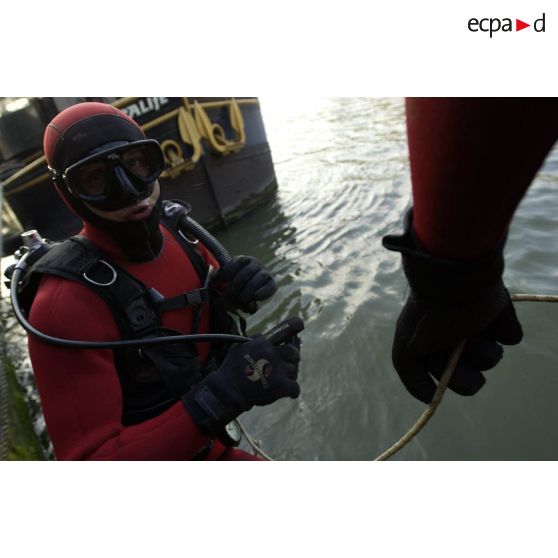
pixel 32 239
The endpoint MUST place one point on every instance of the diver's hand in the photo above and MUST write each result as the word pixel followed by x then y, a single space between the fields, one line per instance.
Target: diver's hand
pixel 245 281
pixel 450 300
pixel 253 373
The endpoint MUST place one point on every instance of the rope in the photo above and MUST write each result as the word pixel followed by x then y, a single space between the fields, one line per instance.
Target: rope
pixel 255 445
pixel 428 413
pixel 431 408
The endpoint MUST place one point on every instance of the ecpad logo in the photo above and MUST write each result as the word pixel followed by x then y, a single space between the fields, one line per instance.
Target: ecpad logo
pixel 493 25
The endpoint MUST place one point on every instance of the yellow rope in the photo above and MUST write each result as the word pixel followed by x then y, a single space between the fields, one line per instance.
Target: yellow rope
pixel 428 413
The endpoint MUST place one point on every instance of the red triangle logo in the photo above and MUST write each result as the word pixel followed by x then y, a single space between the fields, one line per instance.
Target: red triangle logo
pixel 519 25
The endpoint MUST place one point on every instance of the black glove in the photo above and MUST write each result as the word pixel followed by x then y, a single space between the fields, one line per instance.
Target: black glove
pixel 450 300
pixel 253 373
pixel 246 281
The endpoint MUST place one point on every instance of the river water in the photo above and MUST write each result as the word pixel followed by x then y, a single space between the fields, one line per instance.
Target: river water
pixel 344 182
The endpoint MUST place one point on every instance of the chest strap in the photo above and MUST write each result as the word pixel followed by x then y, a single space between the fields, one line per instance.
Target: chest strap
pixel 191 298
pixel 144 303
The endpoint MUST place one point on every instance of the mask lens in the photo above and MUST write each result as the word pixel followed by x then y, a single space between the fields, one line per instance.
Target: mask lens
pixel 90 180
pixel 144 162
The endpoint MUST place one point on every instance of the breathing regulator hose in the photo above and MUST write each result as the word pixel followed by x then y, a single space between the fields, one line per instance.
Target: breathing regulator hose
pixel 217 249
pixel 288 328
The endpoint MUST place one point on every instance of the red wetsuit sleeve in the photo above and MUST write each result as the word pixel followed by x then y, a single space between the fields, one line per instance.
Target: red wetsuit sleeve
pixel 80 390
pixel 471 162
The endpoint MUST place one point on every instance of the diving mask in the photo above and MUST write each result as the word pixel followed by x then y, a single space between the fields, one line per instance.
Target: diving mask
pixel 115 176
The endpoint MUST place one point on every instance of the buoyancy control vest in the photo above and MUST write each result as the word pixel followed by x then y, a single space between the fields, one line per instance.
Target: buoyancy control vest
pixel 152 379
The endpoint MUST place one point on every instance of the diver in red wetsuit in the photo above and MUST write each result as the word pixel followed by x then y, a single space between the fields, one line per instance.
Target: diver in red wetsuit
pixel 472 161
pixel 164 403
